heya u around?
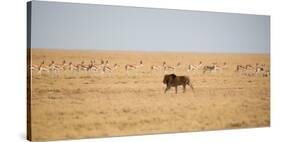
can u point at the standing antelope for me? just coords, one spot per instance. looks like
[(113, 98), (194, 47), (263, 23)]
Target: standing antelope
[(220, 68), (155, 68), (107, 68), (34, 67), (259, 67), (43, 68), (92, 66), (100, 66), (73, 67), (64, 65), (130, 67), (240, 68), (194, 67), (250, 70), (224, 66), (262, 69), (210, 68), (83, 67), (170, 68), (249, 67), (54, 67)]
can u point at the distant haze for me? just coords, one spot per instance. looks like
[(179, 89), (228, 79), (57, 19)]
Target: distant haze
[(100, 27)]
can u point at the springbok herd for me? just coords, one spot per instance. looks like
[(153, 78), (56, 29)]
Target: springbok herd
[(105, 67)]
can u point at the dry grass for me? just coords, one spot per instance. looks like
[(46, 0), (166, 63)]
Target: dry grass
[(83, 105)]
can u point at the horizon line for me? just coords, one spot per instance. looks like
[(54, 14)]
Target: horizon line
[(120, 50)]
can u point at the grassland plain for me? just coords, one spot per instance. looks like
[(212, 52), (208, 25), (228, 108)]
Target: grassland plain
[(89, 104)]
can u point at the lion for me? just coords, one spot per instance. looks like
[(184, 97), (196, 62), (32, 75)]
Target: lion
[(171, 80)]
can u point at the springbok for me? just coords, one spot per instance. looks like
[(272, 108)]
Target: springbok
[(250, 70), (130, 67), (220, 68), (250, 67), (83, 67), (73, 67), (43, 68), (224, 66), (262, 69), (155, 68), (100, 67), (54, 67), (170, 68), (34, 67), (107, 68), (64, 65), (240, 68), (259, 68), (210, 68), (92, 66), (194, 67)]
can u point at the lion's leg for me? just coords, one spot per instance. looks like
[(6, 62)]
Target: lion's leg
[(184, 85), (176, 89), (167, 88)]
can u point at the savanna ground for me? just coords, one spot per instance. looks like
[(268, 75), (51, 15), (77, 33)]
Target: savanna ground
[(80, 105)]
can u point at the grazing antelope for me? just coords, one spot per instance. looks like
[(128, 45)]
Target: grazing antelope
[(170, 68), (130, 67)]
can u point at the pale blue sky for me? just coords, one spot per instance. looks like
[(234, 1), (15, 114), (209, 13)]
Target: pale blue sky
[(100, 27)]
